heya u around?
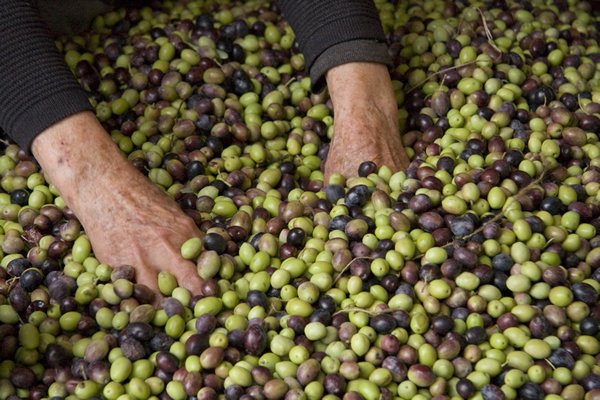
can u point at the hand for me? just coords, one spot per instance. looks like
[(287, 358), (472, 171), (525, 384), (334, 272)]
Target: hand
[(366, 124), (127, 218)]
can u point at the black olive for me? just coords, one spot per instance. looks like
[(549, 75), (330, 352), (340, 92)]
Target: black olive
[(357, 195), (383, 323), (531, 391), (31, 279), (216, 242), (475, 335), (257, 298), (296, 237)]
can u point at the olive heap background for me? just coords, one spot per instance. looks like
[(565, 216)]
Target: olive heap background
[(474, 274)]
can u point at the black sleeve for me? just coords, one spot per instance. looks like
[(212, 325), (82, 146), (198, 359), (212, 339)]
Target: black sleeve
[(334, 32), (36, 87)]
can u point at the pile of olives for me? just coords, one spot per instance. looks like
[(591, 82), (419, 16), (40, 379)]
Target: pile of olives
[(474, 274)]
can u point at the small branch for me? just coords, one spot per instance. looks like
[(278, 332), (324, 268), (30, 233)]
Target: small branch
[(339, 275)]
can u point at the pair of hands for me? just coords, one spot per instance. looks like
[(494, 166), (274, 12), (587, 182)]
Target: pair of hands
[(131, 221)]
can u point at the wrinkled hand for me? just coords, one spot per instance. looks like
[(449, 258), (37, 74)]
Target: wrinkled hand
[(366, 125), (127, 218)]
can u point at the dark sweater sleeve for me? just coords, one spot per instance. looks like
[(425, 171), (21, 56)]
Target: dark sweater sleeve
[(335, 32), (36, 87)]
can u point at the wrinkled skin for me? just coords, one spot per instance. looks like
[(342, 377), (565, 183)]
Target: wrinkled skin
[(130, 221), (366, 124), (126, 217)]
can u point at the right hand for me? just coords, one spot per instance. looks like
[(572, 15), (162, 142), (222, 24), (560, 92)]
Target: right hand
[(127, 218), (366, 120)]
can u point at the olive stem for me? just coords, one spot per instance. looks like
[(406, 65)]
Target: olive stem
[(441, 71), (487, 31), (498, 216), (339, 275)]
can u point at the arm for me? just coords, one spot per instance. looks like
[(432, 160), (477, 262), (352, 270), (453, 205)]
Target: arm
[(128, 220), (344, 46), (332, 33)]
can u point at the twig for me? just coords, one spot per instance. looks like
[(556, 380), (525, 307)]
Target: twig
[(339, 275), (497, 217), (372, 313), (488, 33), (441, 71)]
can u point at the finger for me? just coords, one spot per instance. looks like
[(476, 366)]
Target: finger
[(147, 276), (187, 276)]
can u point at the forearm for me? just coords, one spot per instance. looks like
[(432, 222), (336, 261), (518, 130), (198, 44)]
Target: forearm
[(37, 88), (80, 159), (332, 33)]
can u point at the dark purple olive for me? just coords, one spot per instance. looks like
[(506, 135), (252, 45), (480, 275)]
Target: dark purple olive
[(591, 382), (420, 203), (19, 299), (366, 168), (475, 335), (133, 349), (308, 371), (22, 377), (589, 326), (61, 287), (234, 392), (462, 226), (172, 306), (585, 293), (540, 327), (465, 388), (141, 331), (255, 340), (206, 323), (196, 344), (17, 266), (492, 392), (56, 355), (296, 237), (257, 298), (421, 375), (442, 324), (357, 195), (334, 384), (167, 362), (214, 241), (430, 221), (383, 323), (98, 371), (531, 391), (561, 358)]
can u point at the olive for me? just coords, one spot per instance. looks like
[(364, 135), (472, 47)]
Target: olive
[(383, 323), (492, 392), (366, 168), (255, 340), (161, 342), (591, 382), (561, 358), (22, 377), (465, 388), (167, 362), (31, 278), (133, 349), (17, 266), (334, 384), (585, 293), (214, 241), (357, 195), (531, 391)]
